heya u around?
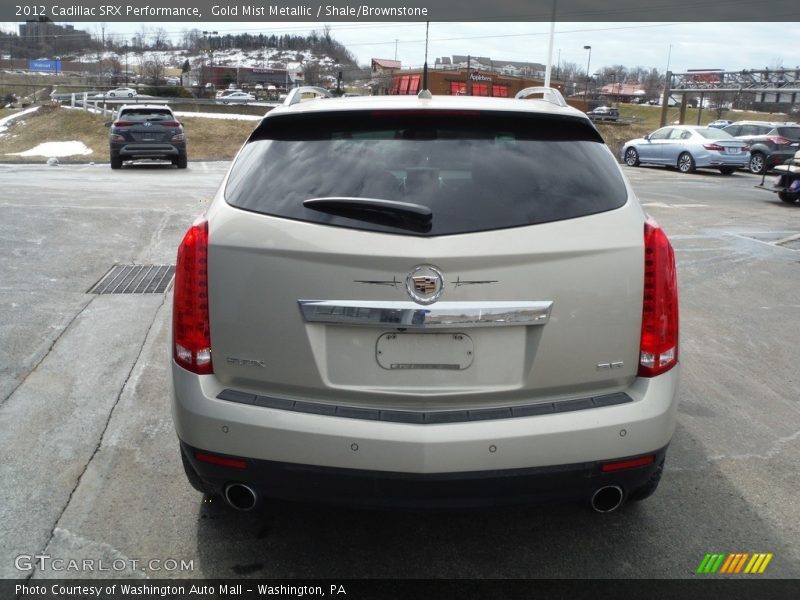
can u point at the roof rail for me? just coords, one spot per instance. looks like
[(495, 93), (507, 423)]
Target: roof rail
[(295, 95), (549, 94)]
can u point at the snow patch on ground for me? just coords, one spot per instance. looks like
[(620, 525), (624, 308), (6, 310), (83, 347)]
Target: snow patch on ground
[(55, 149), (5, 120)]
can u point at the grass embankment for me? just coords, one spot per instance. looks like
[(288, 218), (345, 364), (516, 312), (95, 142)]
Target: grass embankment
[(209, 139)]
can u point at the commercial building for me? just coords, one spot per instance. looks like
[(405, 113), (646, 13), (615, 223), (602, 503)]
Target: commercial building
[(460, 82)]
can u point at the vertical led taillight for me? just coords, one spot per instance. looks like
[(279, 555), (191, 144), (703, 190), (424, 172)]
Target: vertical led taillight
[(191, 335)]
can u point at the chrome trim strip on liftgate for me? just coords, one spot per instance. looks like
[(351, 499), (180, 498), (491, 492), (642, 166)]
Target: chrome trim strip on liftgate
[(442, 315)]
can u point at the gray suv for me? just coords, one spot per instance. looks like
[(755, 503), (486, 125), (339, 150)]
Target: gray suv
[(425, 301), (147, 131)]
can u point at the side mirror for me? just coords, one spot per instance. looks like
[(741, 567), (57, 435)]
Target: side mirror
[(647, 136), (109, 124)]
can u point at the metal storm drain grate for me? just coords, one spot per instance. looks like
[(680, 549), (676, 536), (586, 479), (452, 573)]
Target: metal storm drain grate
[(135, 279)]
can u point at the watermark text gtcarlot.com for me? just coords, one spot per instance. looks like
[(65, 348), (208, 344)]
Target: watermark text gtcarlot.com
[(47, 562)]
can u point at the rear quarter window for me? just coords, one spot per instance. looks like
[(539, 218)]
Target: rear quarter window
[(474, 171)]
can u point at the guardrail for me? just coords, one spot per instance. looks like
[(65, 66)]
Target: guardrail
[(107, 104)]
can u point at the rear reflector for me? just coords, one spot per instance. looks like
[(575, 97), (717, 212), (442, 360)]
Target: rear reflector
[(621, 465), (658, 347), (222, 461), (191, 334)]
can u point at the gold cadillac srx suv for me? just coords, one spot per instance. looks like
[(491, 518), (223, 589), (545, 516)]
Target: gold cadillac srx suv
[(425, 301)]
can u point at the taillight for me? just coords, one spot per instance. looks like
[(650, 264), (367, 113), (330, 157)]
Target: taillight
[(123, 123), (170, 124), (658, 347), (116, 138), (780, 141), (716, 147), (179, 137), (191, 333)]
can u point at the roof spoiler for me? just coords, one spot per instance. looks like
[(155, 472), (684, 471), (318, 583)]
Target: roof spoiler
[(548, 94)]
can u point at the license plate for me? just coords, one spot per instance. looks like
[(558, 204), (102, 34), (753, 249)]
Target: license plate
[(429, 351), (733, 150)]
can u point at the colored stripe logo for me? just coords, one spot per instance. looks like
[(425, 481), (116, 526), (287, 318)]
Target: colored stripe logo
[(736, 563)]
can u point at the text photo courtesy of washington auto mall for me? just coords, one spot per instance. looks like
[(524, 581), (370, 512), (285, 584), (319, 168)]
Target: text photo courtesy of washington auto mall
[(399, 299)]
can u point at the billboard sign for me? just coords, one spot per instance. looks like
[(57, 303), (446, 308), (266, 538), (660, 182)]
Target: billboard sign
[(51, 66)]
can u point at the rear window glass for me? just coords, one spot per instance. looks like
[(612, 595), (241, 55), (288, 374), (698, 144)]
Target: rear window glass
[(147, 114), (473, 171), (789, 132)]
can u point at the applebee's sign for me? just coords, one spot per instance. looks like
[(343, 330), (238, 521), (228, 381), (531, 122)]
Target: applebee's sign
[(479, 77)]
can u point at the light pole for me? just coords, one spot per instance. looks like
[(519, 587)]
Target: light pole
[(588, 62), (206, 35)]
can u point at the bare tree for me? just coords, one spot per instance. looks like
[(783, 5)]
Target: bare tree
[(153, 69)]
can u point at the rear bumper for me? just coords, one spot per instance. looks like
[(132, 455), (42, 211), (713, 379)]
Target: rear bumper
[(352, 487), (148, 150), (559, 452)]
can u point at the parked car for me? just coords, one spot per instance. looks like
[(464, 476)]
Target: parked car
[(603, 113), (425, 301), (688, 147), (118, 93), (144, 131), (236, 98), (720, 123), (771, 144)]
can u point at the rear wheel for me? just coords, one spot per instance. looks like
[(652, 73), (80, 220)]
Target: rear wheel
[(181, 161), (727, 170), (686, 163), (631, 157), (788, 197), (757, 163), (116, 162)]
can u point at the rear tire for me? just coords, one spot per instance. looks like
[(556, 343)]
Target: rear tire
[(116, 162), (788, 197), (632, 157), (181, 161), (727, 170), (686, 163), (757, 164)]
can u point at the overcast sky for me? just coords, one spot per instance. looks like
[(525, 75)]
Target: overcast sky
[(681, 46)]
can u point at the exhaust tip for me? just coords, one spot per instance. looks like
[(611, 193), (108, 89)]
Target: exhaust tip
[(240, 496), (607, 499)]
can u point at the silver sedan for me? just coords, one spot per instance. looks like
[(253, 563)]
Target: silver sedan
[(688, 147)]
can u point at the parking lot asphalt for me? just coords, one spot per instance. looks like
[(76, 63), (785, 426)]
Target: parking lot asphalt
[(89, 460)]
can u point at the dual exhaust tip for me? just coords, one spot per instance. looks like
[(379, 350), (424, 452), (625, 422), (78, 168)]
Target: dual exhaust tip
[(607, 499), (242, 497)]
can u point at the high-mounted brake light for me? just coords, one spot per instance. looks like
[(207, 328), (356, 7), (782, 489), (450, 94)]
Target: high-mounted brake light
[(658, 347), (191, 333)]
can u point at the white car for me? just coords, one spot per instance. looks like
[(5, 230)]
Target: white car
[(118, 93), (236, 98), (432, 300)]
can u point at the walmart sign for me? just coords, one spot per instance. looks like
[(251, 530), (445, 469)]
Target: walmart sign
[(53, 66)]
